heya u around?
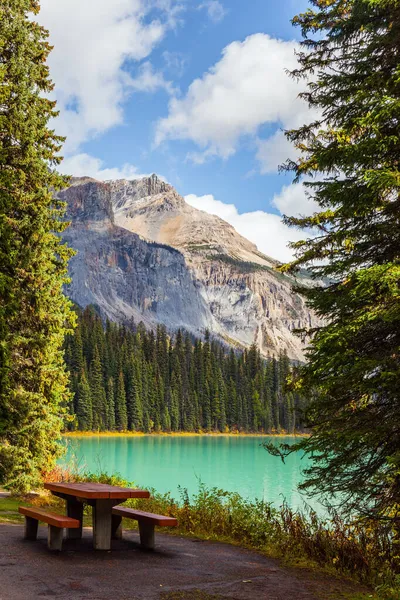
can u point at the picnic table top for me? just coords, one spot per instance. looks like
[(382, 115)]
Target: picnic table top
[(95, 491)]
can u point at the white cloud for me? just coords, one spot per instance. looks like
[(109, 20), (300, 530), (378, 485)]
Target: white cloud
[(149, 80), (175, 62), (81, 165), (274, 151), (266, 230), (93, 42), (292, 200), (215, 10), (247, 88)]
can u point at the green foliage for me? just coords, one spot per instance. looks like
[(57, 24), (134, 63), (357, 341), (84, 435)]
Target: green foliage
[(139, 381), (349, 157), (216, 515), (84, 407), (34, 314)]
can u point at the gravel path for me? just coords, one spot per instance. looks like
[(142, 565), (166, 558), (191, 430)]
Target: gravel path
[(180, 568)]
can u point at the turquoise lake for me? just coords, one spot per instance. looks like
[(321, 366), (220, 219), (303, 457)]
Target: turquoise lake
[(237, 464)]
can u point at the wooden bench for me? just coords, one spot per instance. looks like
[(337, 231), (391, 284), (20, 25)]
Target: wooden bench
[(147, 522), (57, 523)]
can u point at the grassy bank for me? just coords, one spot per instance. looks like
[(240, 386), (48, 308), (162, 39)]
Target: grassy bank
[(363, 550)]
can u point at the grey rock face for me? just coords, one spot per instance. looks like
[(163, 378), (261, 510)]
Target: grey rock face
[(125, 276), (144, 253)]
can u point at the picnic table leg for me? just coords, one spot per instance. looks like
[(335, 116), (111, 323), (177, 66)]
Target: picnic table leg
[(75, 511), (146, 532), (116, 527), (31, 528), (102, 524), (54, 538)]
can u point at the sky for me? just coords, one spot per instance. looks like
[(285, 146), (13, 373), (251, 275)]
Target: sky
[(195, 91)]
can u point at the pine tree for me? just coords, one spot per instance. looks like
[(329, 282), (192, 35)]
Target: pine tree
[(121, 417), (84, 409), (166, 419), (135, 419), (350, 155), (77, 360), (98, 393), (110, 404), (34, 314), (174, 412)]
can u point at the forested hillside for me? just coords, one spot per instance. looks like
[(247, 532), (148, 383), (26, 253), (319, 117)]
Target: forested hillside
[(129, 378)]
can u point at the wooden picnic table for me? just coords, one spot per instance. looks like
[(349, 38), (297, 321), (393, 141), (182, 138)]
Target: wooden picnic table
[(102, 497)]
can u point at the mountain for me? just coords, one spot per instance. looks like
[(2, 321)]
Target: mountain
[(144, 253)]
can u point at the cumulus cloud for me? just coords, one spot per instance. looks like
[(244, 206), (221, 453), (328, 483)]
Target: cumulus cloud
[(215, 10), (274, 151), (266, 230), (149, 80), (249, 87), (81, 165), (293, 200), (93, 42)]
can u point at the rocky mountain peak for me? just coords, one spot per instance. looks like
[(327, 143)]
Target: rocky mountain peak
[(88, 200), (143, 252), (127, 192), (165, 217)]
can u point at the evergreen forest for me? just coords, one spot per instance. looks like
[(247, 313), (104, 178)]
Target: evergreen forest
[(128, 378)]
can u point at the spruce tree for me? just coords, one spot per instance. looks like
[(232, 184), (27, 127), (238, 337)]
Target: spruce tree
[(121, 417), (166, 419), (110, 404), (34, 314), (98, 393), (174, 412), (135, 417), (350, 58), (84, 409)]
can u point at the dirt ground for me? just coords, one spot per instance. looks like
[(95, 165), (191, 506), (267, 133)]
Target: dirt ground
[(179, 569)]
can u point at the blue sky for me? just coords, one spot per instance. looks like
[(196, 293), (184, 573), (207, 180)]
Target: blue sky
[(194, 91)]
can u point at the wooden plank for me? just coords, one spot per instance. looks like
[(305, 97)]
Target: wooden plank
[(78, 490), (140, 515), (50, 518), (117, 492), (139, 494), (96, 491)]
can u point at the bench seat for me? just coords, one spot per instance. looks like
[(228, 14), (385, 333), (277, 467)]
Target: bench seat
[(147, 522), (56, 524)]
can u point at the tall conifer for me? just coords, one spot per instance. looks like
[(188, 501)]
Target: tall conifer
[(98, 392), (350, 60), (121, 417), (84, 408), (34, 313)]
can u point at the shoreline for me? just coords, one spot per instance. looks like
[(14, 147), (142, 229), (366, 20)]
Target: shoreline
[(88, 434)]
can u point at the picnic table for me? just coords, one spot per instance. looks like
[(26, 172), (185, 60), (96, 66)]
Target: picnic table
[(102, 497)]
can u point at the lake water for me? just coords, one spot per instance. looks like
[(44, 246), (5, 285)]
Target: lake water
[(237, 464)]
